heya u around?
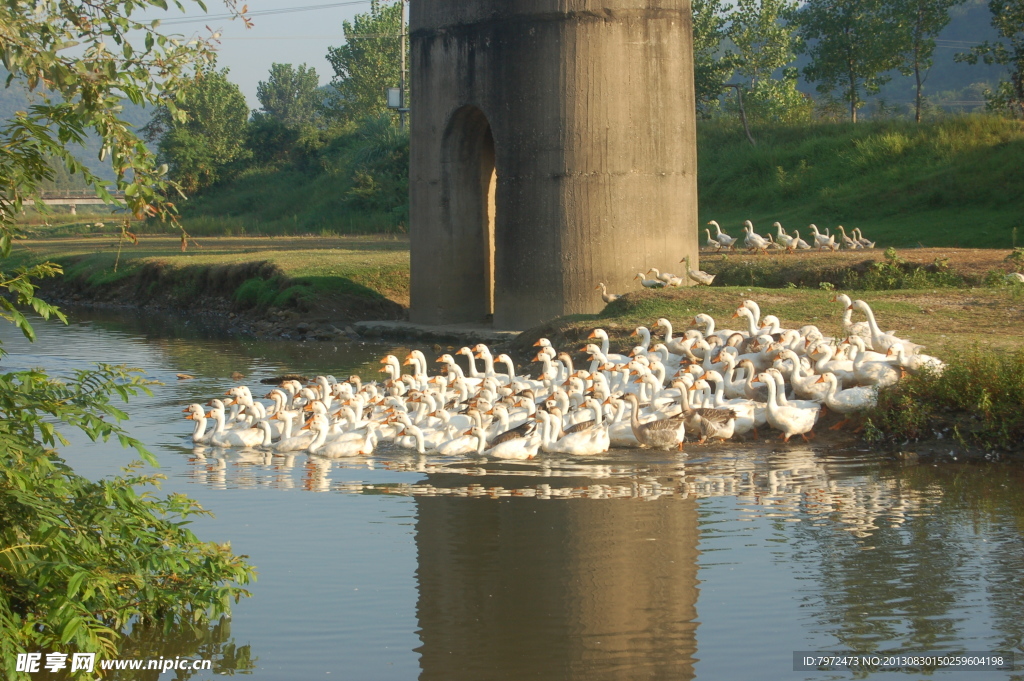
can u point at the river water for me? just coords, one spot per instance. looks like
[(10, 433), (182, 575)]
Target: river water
[(719, 563)]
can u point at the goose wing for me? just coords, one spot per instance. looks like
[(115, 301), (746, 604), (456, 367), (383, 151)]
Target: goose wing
[(525, 430)]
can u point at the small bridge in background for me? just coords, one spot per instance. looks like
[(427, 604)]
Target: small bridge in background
[(75, 198)]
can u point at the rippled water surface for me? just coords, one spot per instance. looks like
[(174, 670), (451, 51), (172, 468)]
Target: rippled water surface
[(714, 564)]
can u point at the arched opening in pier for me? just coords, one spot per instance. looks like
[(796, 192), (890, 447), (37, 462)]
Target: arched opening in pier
[(469, 184)]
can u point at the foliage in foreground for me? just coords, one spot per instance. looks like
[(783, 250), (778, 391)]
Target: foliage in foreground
[(976, 402), (81, 561)]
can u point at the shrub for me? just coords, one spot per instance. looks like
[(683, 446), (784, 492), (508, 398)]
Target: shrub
[(977, 399)]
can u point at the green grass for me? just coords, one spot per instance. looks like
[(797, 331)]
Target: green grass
[(284, 202), (255, 272), (955, 182)]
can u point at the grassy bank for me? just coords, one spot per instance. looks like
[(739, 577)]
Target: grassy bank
[(253, 273), (955, 182)]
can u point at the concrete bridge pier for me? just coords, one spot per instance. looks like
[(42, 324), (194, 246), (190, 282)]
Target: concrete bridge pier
[(553, 147)]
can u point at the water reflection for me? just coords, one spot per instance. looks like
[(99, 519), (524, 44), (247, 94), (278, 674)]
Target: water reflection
[(633, 564), (794, 485), (580, 589), (214, 643)]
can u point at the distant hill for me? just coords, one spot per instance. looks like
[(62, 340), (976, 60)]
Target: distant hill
[(18, 98), (952, 85), (948, 80)]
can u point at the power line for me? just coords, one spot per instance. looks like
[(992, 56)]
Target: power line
[(362, 36), (261, 13)]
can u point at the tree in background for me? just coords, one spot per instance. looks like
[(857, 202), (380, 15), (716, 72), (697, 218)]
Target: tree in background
[(290, 95), (200, 148), (765, 44), (1008, 20), (922, 20), (852, 44), (368, 63), (711, 68)]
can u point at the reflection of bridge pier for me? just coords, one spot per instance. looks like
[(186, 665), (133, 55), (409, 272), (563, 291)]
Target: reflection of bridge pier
[(556, 589)]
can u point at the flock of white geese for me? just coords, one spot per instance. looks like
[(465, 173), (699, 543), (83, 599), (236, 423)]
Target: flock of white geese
[(708, 384), (754, 243), (782, 240)]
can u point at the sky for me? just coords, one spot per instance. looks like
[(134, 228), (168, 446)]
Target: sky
[(288, 32)]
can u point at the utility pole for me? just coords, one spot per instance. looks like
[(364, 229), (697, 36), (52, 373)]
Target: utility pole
[(401, 82)]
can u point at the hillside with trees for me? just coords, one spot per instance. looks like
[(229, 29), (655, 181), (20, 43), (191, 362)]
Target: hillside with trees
[(329, 158)]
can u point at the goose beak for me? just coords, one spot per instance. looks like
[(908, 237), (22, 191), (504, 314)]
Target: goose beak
[(190, 418), (821, 379), (208, 414), (186, 410), (735, 314), (850, 308), (227, 392), (833, 299), (889, 352), (593, 334)]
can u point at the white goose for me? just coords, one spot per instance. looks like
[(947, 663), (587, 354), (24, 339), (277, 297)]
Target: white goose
[(648, 283), (916, 363), (712, 244), (338, 448), (849, 401), (822, 241), (860, 239), (585, 442), (790, 420), (196, 413), (721, 237), (798, 243), (754, 241), (881, 342), (702, 278), (290, 441), (605, 296), (786, 241), (848, 243), (247, 437)]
